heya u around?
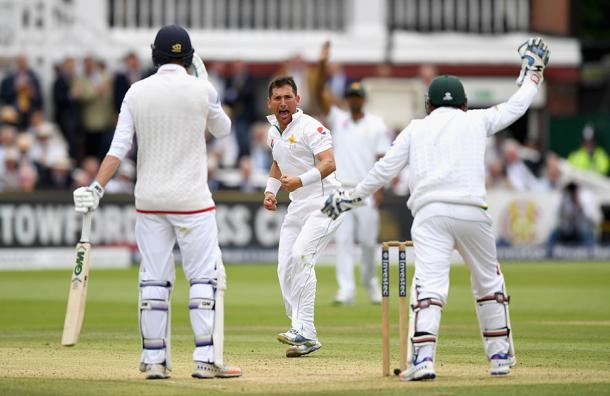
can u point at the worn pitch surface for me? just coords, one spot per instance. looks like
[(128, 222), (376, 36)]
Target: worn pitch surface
[(560, 313)]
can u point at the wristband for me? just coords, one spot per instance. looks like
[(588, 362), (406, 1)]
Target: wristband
[(97, 188), (311, 176), (273, 185)]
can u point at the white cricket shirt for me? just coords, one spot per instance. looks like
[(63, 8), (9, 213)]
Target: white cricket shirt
[(295, 149), (169, 112), (357, 144), (445, 153)]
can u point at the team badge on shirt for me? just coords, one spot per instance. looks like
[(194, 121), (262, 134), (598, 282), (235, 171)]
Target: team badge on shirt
[(321, 131), (292, 139)]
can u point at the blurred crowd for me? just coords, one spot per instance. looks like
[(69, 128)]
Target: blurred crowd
[(57, 140)]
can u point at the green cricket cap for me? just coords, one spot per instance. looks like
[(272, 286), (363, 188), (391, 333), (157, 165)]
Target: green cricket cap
[(355, 89), (446, 91)]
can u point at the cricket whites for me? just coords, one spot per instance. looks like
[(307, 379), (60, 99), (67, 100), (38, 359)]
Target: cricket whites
[(77, 298)]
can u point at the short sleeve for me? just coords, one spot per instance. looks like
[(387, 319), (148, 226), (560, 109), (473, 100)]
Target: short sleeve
[(270, 137), (318, 138)]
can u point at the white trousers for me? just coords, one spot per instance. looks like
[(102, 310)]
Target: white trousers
[(304, 233), (362, 225), (434, 239), (197, 237)]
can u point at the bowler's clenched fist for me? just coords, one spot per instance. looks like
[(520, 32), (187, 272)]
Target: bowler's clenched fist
[(291, 183), (270, 203)]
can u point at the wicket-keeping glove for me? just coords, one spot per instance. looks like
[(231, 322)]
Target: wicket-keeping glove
[(87, 199), (197, 68), (340, 201), (534, 58)]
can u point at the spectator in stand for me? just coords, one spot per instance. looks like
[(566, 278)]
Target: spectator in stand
[(24, 143), (9, 178), (519, 176), (260, 154), (93, 90), (85, 175), (303, 76), (47, 148), (21, 89), (60, 176), (8, 135), (240, 96), (216, 71), (9, 116), (124, 180), (496, 176), (66, 108), (590, 156), (336, 79), (131, 73), (27, 178), (551, 177), (578, 215)]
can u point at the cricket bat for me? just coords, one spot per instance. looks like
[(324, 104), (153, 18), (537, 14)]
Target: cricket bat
[(77, 298)]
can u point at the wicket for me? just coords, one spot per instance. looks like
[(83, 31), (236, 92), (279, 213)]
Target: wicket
[(402, 301)]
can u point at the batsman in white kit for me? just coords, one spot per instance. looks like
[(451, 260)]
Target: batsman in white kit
[(170, 112), (445, 155), (304, 165), (360, 138)]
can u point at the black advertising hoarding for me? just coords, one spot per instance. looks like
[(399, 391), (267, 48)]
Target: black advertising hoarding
[(247, 232)]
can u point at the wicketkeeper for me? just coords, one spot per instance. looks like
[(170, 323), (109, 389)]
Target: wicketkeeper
[(169, 112), (445, 155)]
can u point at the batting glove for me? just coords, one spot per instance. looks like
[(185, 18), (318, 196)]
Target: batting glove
[(534, 58), (340, 201), (87, 199), (198, 68)]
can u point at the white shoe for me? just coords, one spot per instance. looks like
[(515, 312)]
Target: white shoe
[(302, 350), (375, 292), (501, 363), (205, 370), (293, 337), (154, 370), (342, 298), (419, 372)]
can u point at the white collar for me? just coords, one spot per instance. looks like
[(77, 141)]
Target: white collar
[(171, 67), (444, 109), (273, 120)]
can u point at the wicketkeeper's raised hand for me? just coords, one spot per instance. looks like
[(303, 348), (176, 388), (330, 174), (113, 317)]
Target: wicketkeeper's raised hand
[(87, 199), (340, 201), (534, 58)]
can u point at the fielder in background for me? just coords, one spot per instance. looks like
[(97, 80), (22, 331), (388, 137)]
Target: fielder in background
[(360, 139), (304, 165), (169, 112), (445, 154)]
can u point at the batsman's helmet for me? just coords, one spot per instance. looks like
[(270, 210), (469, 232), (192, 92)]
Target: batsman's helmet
[(172, 43), (446, 91)]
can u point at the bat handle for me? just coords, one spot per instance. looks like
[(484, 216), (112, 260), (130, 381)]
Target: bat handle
[(86, 230)]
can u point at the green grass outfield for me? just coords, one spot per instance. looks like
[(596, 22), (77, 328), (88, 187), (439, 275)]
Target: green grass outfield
[(560, 314)]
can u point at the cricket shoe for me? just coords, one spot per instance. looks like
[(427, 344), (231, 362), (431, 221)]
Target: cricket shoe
[(154, 370), (374, 293), (501, 364), (293, 337), (302, 350), (205, 370), (421, 371)]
